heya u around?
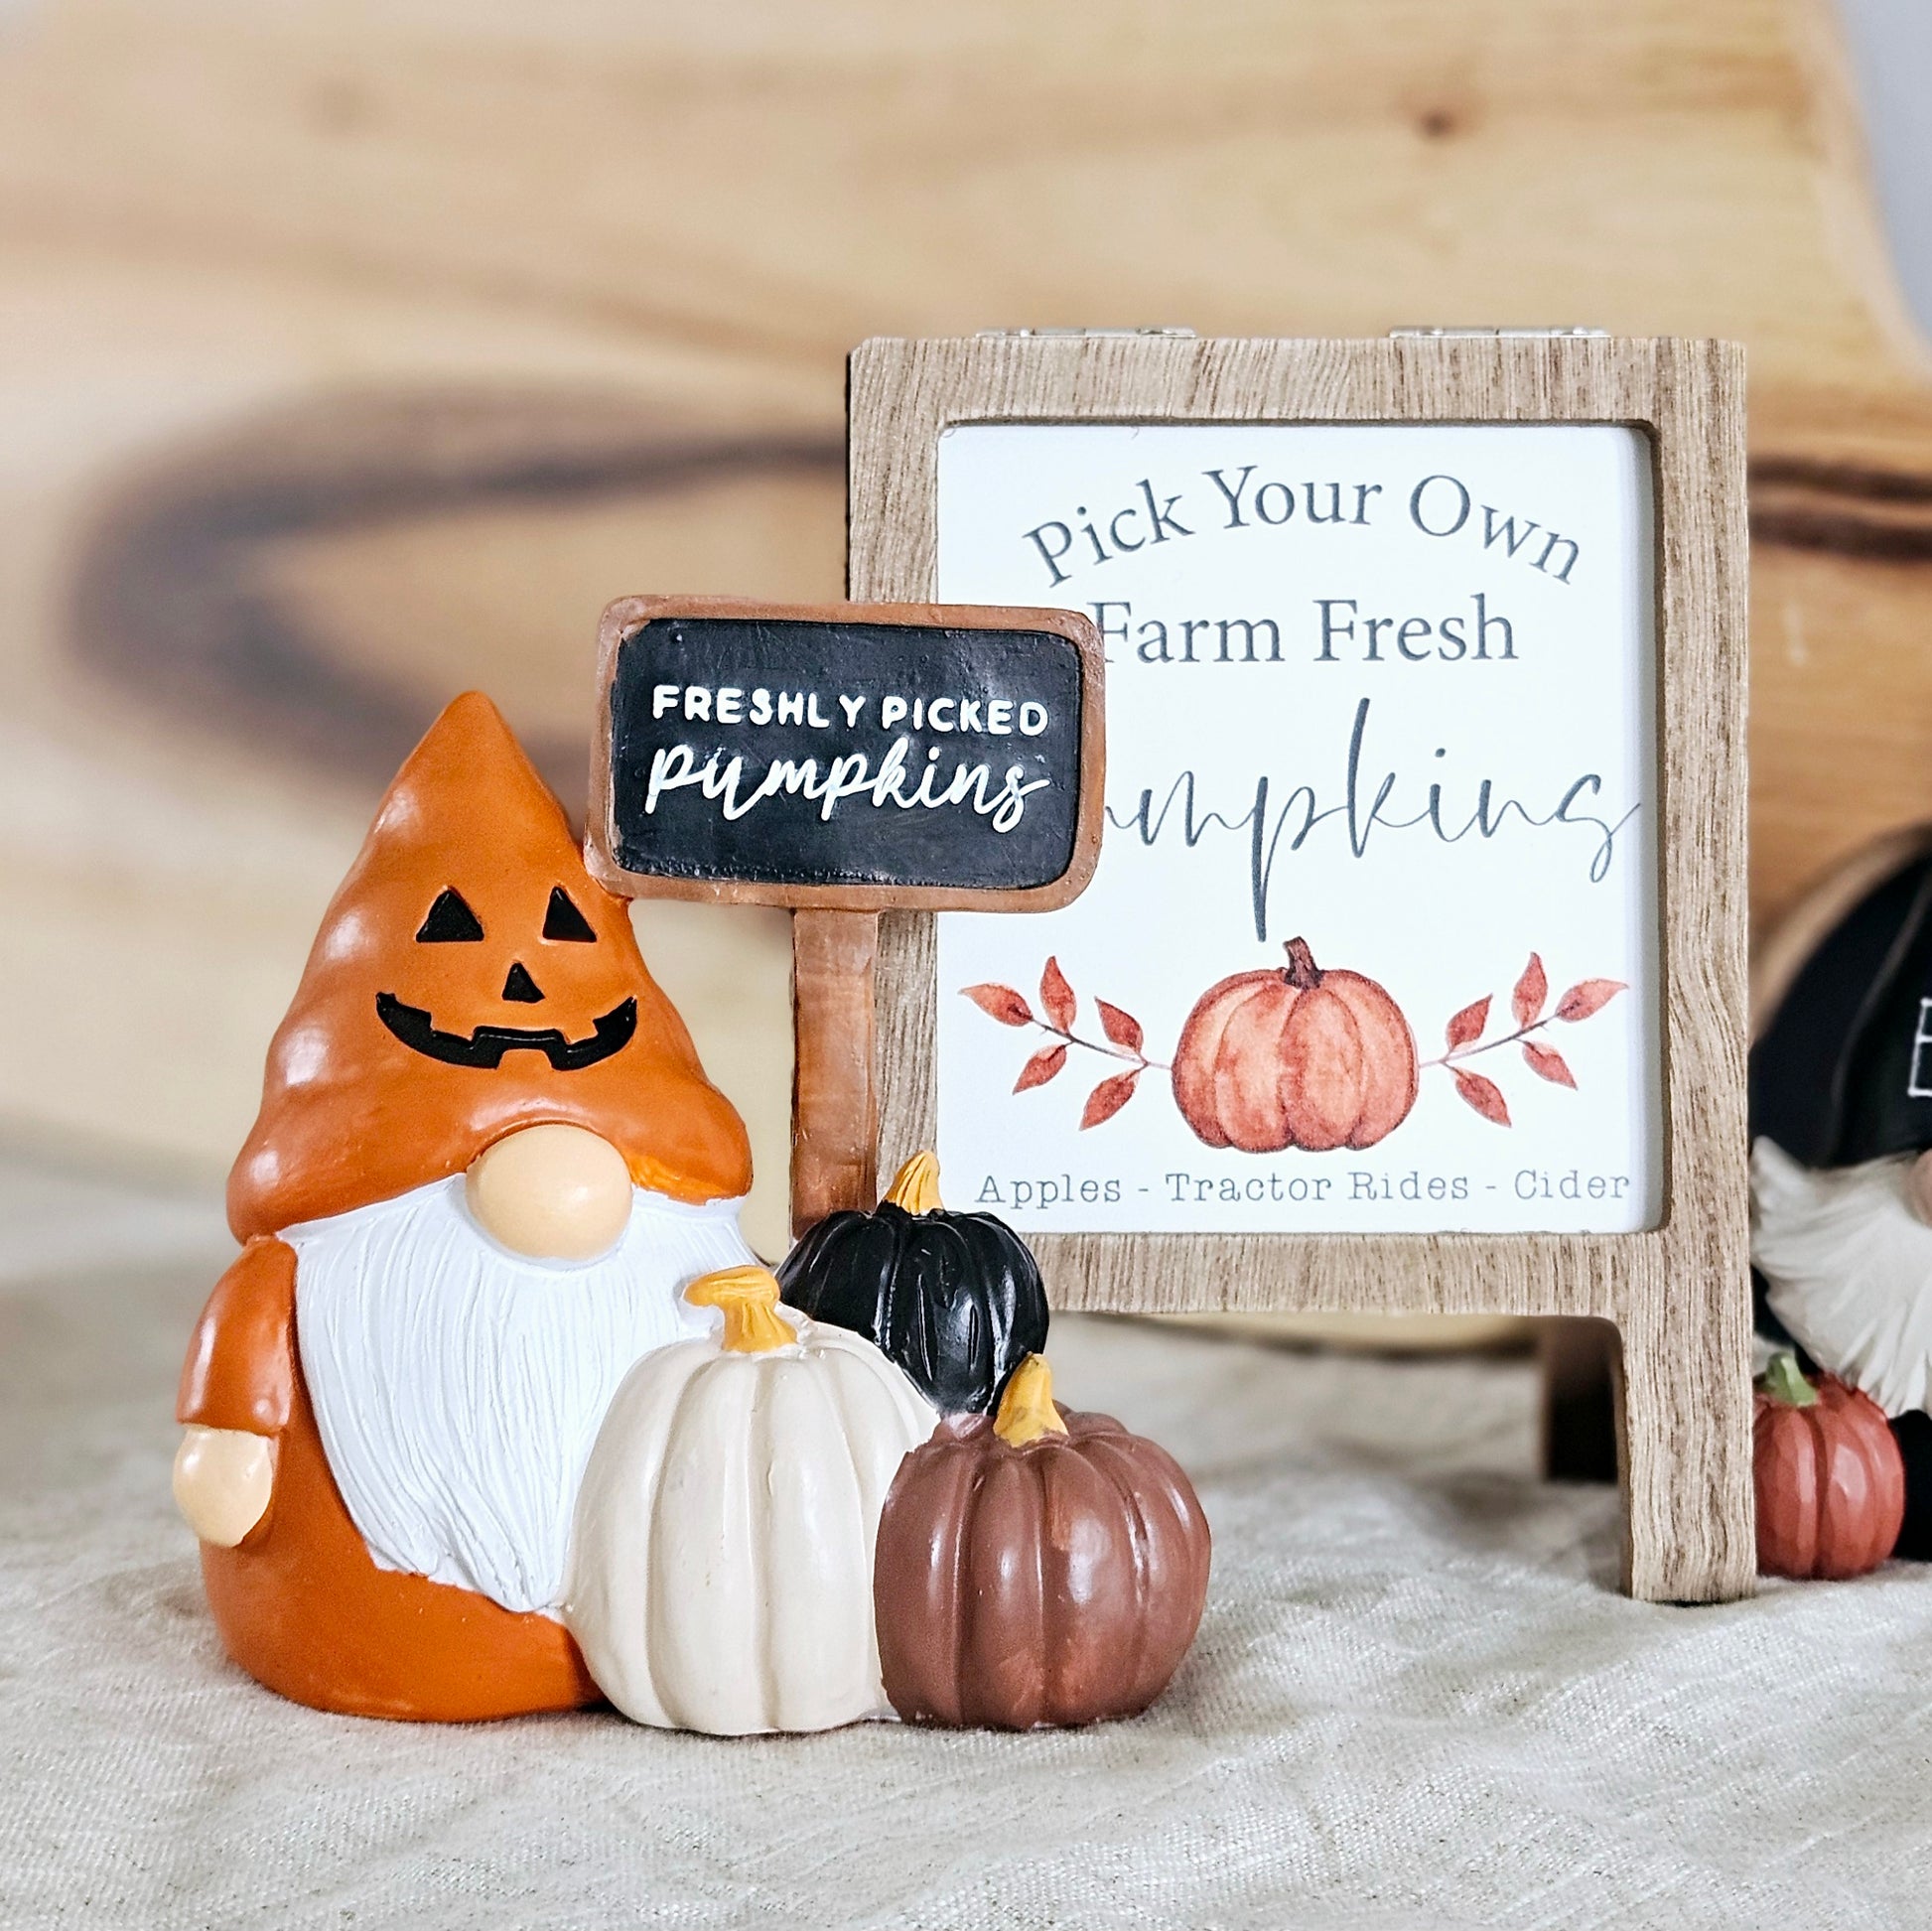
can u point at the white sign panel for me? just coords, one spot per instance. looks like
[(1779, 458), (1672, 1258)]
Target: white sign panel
[(1372, 946)]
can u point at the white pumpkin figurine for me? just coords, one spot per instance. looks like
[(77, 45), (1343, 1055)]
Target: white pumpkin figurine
[(721, 1568)]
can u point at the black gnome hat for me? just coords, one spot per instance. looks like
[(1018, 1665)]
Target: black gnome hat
[(1844, 1071)]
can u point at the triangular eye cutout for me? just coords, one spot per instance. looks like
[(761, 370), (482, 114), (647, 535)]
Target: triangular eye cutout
[(564, 921), (450, 922)]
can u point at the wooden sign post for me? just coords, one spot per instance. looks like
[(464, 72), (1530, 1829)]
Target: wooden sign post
[(843, 760), (1412, 978)]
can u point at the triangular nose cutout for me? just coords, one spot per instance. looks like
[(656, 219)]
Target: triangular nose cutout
[(520, 987)]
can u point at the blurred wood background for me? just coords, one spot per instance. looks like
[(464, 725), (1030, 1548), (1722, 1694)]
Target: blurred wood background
[(352, 355)]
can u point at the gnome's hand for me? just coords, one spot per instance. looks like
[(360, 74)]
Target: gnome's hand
[(554, 1192), (222, 1479)]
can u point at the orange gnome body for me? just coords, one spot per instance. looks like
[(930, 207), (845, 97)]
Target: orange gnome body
[(487, 1164)]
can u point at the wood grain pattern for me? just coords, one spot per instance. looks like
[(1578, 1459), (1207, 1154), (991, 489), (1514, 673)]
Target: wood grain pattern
[(345, 365), (1679, 1295)]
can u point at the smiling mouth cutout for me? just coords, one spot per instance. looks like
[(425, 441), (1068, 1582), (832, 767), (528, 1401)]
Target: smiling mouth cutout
[(486, 1045)]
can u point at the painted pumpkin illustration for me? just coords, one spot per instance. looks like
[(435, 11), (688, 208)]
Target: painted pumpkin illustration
[(1830, 1481), (1043, 1567), (721, 1571), (486, 1165), (954, 1299), (1296, 1057)]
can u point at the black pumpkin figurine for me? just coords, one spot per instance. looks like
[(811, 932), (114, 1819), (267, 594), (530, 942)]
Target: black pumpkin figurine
[(954, 1299)]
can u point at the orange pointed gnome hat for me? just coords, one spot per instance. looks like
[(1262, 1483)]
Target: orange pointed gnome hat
[(469, 978)]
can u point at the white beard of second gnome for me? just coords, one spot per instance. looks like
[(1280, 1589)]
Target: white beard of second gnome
[(1848, 1267), (457, 1387)]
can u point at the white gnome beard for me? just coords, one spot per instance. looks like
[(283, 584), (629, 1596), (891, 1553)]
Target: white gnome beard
[(457, 1387), (1849, 1270)]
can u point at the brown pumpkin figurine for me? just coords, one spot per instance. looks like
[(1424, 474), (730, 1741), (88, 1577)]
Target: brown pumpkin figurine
[(1042, 1566), (1831, 1482), (1295, 1057)]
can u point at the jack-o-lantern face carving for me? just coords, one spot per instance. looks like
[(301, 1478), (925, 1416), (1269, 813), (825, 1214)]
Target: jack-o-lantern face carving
[(469, 978), (451, 922)]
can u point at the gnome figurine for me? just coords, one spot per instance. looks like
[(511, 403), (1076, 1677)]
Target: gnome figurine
[(1841, 1100), (486, 1165)]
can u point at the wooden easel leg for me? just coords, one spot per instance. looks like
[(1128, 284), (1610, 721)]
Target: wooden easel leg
[(834, 1108), (1684, 1449)]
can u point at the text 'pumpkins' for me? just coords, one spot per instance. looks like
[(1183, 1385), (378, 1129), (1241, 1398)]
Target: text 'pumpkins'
[(954, 1299), (1043, 1568), (721, 1569), (1295, 1057)]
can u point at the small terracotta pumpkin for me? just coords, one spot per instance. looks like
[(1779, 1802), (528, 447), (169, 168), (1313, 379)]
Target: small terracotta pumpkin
[(1040, 1568), (1296, 1057), (954, 1299), (1831, 1482)]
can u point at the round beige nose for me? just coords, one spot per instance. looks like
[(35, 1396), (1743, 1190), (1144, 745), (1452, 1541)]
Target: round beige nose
[(1918, 1188), (553, 1192)]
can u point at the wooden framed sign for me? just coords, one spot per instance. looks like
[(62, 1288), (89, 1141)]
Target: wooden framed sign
[(1412, 976), (837, 759)]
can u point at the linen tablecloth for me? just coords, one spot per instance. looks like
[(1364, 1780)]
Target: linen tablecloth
[(1416, 1700)]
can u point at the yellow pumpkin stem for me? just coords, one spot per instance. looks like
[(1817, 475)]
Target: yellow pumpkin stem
[(749, 1299), (915, 1187), (1026, 1410)]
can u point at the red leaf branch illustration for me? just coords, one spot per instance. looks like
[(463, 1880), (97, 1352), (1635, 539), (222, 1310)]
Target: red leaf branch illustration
[(1528, 1004), (1484, 1095), (1040, 1069), (1058, 997), (1122, 1039), (1107, 1099)]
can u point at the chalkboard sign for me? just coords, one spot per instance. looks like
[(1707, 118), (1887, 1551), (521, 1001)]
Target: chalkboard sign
[(847, 756)]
